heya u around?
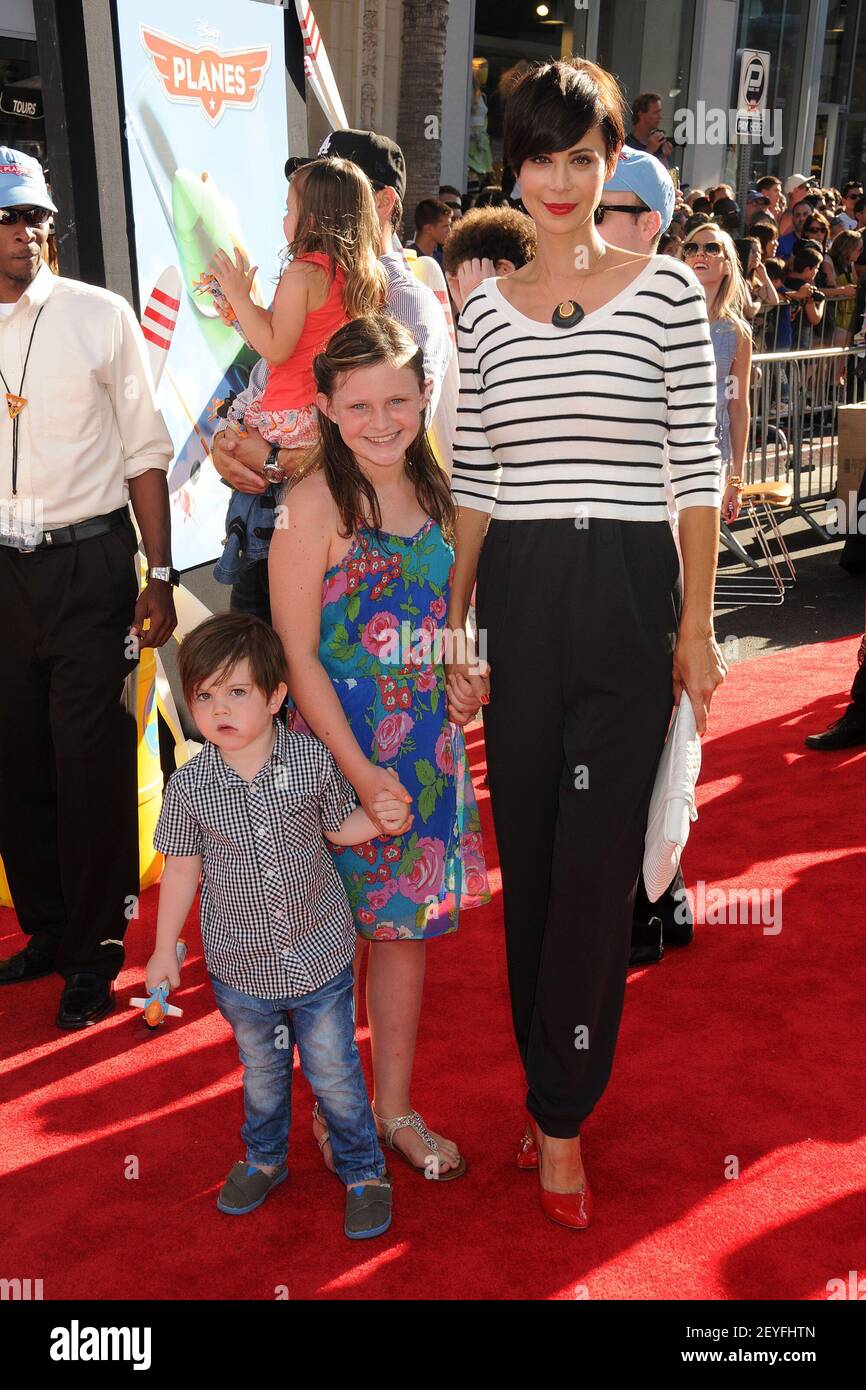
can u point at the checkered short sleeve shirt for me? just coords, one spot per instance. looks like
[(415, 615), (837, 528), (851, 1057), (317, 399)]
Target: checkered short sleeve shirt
[(275, 920)]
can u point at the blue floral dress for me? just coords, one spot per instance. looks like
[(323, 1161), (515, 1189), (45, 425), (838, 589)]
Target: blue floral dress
[(382, 608)]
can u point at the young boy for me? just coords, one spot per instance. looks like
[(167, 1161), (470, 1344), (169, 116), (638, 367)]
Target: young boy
[(806, 300), (249, 815)]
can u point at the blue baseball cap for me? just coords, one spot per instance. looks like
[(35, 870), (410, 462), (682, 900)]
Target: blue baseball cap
[(642, 174), (22, 182)]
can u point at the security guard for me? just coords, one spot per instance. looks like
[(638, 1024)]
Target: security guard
[(80, 436)]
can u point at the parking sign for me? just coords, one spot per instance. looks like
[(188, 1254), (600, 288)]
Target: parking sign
[(753, 94)]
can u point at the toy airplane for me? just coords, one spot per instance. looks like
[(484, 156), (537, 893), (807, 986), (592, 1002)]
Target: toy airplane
[(156, 1007)]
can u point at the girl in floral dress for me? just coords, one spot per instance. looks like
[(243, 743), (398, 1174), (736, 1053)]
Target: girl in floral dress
[(359, 578)]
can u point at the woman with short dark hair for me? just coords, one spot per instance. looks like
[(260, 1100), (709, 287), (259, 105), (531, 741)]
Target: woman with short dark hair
[(580, 372)]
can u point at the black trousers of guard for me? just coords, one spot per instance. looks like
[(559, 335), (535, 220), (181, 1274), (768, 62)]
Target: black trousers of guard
[(68, 748), (580, 624)]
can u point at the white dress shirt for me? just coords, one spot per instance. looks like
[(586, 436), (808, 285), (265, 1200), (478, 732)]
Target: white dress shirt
[(91, 420)]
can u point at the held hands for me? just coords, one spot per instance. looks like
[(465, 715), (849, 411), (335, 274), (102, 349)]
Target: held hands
[(162, 966), (698, 668), (235, 277), (467, 686), (467, 677), (386, 801)]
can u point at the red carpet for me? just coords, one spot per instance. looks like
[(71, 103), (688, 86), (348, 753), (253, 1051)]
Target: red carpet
[(746, 1044)]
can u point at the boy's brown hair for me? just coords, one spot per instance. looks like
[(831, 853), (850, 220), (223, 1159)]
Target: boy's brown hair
[(502, 234), (211, 650)]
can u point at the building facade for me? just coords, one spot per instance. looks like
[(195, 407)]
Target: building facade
[(429, 73)]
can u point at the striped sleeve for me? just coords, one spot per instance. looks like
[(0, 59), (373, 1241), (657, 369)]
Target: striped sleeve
[(476, 474), (690, 387)]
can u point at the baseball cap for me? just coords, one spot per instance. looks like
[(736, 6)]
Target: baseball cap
[(646, 177), (22, 182), (380, 158), (725, 207), (755, 195), (797, 181)]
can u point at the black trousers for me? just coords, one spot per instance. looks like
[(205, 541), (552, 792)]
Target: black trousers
[(68, 748), (580, 624), (857, 708)]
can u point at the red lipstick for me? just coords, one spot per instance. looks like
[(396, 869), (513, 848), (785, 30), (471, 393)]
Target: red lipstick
[(560, 209)]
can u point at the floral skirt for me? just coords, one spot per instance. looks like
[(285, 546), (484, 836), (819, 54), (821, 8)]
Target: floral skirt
[(290, 429)]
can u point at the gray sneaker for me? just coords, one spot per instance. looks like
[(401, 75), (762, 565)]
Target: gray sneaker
[(246, 1188), (368, 1210)]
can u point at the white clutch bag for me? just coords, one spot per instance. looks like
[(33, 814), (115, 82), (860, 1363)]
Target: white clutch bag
[(672, 805)]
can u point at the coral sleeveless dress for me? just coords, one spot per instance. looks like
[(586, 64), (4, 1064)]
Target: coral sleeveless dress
[(285, 413)]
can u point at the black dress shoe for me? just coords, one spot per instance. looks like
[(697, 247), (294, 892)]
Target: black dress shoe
[(85, 1000), (843, 734), (36, 960)]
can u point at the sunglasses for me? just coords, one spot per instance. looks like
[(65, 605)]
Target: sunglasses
[(31, 217), (709, 248), (618, 207)]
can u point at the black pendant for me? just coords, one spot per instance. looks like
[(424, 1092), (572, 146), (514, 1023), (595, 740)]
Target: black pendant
[(567, 314)]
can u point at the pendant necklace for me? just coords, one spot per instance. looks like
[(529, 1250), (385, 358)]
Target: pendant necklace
[(15, 403), (568, 314)]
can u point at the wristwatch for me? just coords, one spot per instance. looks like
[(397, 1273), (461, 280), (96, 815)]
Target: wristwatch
[(165, 573), (271, 468)]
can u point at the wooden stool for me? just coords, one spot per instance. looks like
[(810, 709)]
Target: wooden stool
[(761, 502)]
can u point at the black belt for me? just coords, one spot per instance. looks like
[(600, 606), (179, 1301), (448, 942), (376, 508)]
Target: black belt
[(83, 530)]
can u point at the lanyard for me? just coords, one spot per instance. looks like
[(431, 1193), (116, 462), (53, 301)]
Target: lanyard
[(16, 403)]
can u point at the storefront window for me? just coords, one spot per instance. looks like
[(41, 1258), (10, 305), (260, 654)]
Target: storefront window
[(838, 45), (509, 34), (22, 123), (779, 27), (852, 161), (648, 44)]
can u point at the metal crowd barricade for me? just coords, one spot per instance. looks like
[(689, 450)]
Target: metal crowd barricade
[(793, 434)]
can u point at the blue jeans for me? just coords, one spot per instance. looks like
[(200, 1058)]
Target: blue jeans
[(322, 1024)]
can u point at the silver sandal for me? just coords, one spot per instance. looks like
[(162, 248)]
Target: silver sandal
[(318, 1118), (430, 1167)]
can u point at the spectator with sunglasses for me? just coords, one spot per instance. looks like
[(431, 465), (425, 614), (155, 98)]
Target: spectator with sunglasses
[(851, 191), (637, 203), (80, 438), (713, 257)]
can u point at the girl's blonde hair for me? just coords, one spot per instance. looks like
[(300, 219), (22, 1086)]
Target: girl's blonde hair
[(731, 297), (367, 342), (337, 215)]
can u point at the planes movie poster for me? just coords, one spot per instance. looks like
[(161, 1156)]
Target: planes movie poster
[(204, 89)]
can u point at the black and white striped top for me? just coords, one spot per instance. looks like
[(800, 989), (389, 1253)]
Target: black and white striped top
[(564, 423)]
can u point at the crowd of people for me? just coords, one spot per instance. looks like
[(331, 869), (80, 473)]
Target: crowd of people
[(552, 481), (801, 252)]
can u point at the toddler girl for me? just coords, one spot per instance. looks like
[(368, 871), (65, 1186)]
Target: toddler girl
[(334, 275)]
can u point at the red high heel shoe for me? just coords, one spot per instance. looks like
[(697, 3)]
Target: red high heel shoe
[(572, 1209), (527, 1153)]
